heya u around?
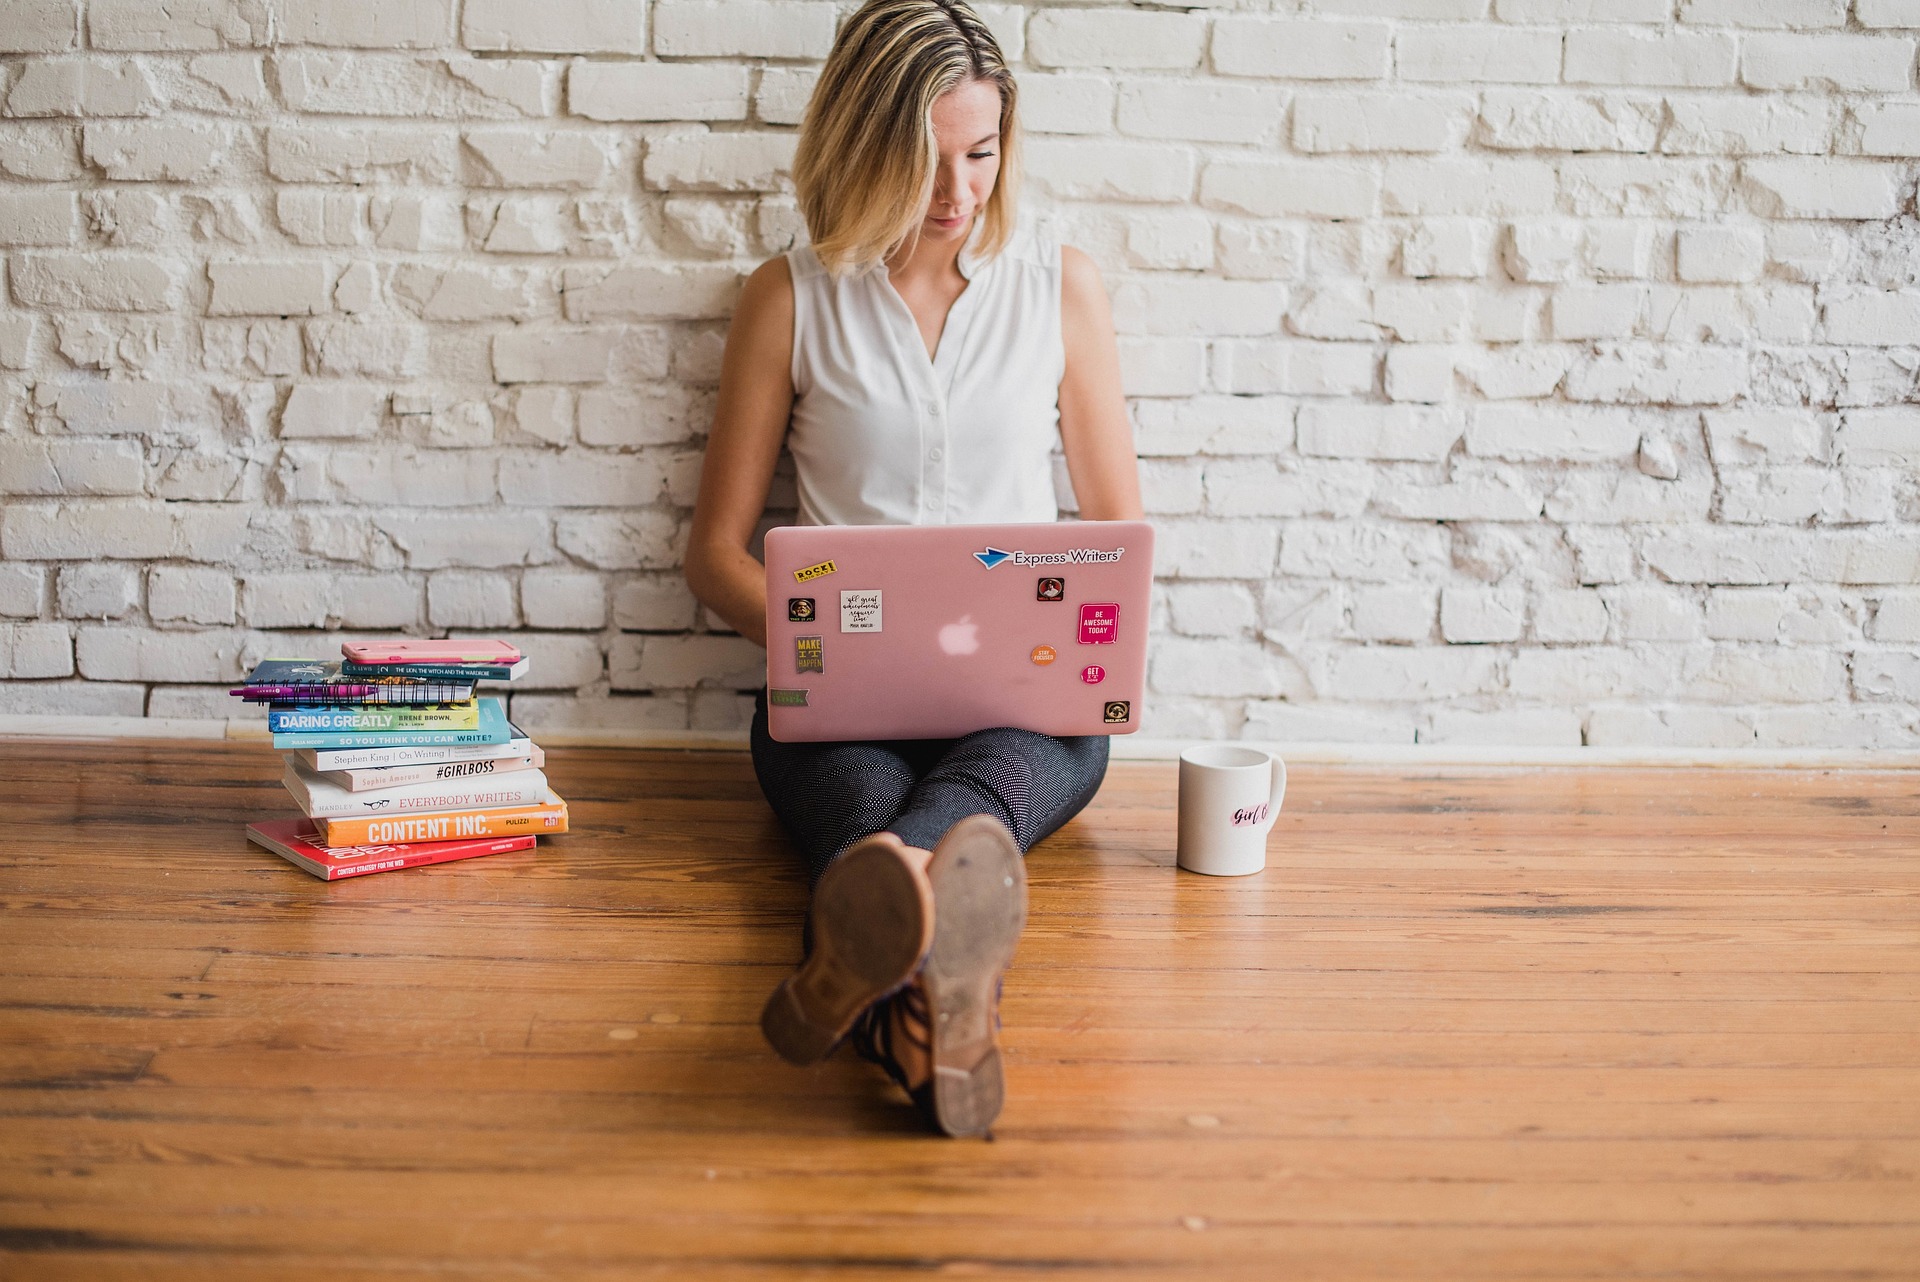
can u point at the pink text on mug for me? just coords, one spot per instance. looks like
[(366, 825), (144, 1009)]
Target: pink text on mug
[(1250, 816)]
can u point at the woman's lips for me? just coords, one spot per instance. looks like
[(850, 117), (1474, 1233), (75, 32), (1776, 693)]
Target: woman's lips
[(957, 220)]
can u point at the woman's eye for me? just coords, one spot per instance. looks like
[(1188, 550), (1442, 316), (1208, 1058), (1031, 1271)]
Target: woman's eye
[(979, 155)]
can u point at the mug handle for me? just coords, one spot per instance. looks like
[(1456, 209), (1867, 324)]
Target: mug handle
[(1279, 791)]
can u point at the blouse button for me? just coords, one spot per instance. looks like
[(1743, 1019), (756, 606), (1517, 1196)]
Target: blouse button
[(933, 502), (936, 454)]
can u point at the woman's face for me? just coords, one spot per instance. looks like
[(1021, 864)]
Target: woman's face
[(966, 127)]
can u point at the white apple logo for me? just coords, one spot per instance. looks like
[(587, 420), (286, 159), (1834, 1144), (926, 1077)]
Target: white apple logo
[(962, 637)]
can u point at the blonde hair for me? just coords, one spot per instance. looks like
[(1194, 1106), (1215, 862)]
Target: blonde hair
[(865, 167)]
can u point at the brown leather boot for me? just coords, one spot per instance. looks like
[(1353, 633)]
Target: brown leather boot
[(871, 924), (939, 1038)]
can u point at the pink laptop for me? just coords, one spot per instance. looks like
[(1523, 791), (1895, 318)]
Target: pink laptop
[(935, 631)]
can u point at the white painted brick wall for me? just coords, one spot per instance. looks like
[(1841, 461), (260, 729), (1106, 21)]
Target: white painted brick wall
[(1525, 372)]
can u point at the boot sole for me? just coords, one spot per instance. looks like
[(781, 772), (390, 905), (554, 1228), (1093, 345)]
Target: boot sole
[(980, 892), (872, 920)]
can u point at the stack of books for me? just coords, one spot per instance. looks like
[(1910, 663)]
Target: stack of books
[(396, 761)]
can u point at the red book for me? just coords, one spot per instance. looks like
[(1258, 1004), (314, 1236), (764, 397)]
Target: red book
[(298, 842)]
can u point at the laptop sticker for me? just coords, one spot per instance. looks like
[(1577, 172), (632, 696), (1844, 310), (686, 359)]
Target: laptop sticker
[(1043, 655), (1099, 624), (1051, 590), (1118, 712), (1093, 674), (808, 656), (787, 698), (799, 609), (860, 610), (814, 571)]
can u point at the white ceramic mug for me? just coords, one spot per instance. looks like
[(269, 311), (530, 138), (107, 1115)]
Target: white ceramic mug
[(1230, 795)]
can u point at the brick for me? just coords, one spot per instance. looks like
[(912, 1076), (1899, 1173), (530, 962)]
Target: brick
[(1589, 672), (1729, 254), (1076, 170), (1479, 54), (1887, 13), (1529, 727), (742, 28), (1535, 120), (679, 663), (1765, 13), (75, 698), (1300, 49), (1214, 549), (371, 24), (1888, 437), (1598, 311), (137, 25), (583, 478), (1479, 616), (1449, 248), (35, 651), (37, 218), (1391, 432), (1271, 487), (1380, 122), (292, 288), (720, 162), (564, 599), (1855, 728), (1209, 425), (130, 654), (1571, 616), (465, 599), (322, 217), (628, 418), (1668, 727), (1889, 128), (650, 91), (96, 282), (1450, 186), (1294, 367), (1117, 38), (105, 408), (1660, 376), (1880, 318), (1341, 723), (1161, 366), (1856, 63), (516, 157), (622, 541), (332, 410), (1403, 615), (40, 26), (1164, 304), (1290, 188), (1897, 618), (22, 588), (1205, 111), (60, 468), (488, 540), (1055, 104), (560, 26), (551, 356), (1529, 433), (648, 293), (90, 87), (1178, 240), (1624, 56), (1366, 553), (326, 154), (1611, 497), (190, 594), (1649, 613), (1381, 674), (99, 591), (1212, 609), (1467, 498), (1747, 126), (652, 603), (1796, 188)]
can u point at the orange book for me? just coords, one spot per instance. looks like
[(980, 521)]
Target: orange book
[(549, 817)]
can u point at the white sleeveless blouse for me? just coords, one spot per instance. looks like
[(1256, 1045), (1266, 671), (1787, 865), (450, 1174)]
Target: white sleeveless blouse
[(881, 435)]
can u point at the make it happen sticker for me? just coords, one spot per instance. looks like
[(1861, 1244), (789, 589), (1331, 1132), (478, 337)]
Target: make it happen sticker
[(860, 610)]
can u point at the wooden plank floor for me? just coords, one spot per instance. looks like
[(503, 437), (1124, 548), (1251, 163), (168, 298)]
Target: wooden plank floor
[(1470, 1024)]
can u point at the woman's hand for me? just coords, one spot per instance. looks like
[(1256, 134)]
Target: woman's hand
[(1093, 414), (749, 425)]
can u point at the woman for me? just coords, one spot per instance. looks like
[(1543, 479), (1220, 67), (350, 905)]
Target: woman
[(919, 359)]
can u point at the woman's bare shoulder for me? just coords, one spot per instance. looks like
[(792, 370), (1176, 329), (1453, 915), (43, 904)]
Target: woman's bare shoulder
[(769, 285)]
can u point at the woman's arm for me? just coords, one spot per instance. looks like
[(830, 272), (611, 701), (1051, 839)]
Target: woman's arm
[(749, 424), (1093, 414)]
